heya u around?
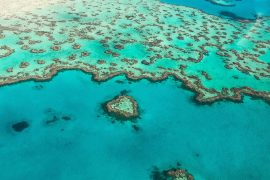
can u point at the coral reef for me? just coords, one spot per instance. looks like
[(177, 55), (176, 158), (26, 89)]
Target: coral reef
[(20, 126), (171, 174), (5, 51), (141, 39), (122, 107)]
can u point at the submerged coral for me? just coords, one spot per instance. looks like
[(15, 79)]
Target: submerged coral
[(171, 174), (122, 107), (20, 126), (141, 39)]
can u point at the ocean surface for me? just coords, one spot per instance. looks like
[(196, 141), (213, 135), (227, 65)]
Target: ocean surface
[(241, 9), (225, 140), (58, 130)]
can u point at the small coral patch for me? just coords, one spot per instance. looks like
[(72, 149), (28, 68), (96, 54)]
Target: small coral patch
[(122, 107)]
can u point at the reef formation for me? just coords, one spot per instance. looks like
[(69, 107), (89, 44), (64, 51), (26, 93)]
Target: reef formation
[(20, 126), (171, 174), (214, 57), (122, 107)]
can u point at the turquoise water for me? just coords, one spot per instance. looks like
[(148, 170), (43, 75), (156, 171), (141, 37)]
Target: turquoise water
[(67, 134), (222, 141), (242, 9)]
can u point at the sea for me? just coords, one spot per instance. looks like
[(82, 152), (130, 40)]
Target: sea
[(69, 136)]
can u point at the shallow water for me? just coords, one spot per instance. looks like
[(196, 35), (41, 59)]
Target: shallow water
[(57, 129), (222, 141), (217, 58)]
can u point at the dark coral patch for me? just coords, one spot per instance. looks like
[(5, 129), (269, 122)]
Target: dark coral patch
[(171, 174), (233, 16), (20, 126), (66, 118)]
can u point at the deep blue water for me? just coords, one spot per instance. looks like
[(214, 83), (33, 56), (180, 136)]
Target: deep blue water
[(222, 141), (243, 9)]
